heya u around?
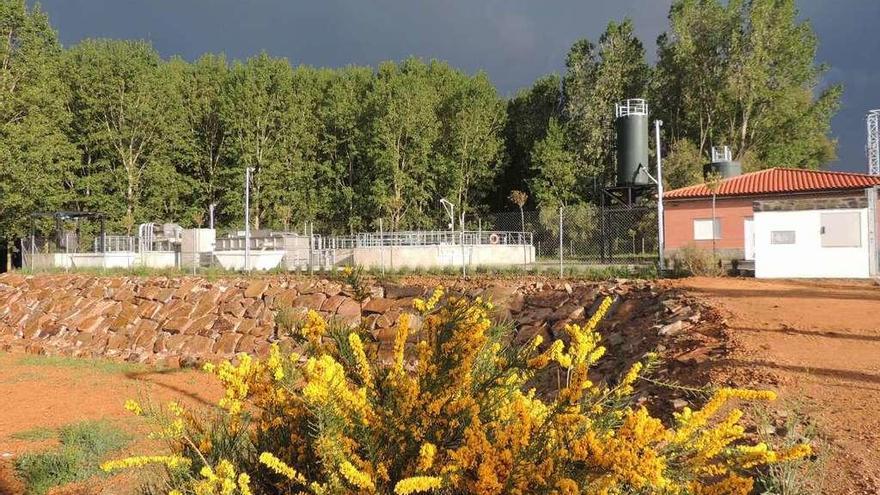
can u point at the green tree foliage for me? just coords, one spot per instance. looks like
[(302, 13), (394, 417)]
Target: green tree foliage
[(127, 112), (403, 131), (597, 78), (256, 110), (528, 116), (203, 154), (110, 126), (555, 176), (743, 74), (472, 117), (342, 149), (683, 165), (35, 155)]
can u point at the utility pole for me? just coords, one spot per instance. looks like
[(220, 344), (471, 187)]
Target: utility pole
[(661, 234), (247, 218)]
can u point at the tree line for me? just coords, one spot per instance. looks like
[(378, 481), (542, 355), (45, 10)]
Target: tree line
[(110, 126)]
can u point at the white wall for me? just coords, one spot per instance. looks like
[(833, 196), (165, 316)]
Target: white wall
[(439, 256), (806, 258)]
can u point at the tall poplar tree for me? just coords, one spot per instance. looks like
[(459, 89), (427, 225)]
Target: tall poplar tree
[(743, 74), (128, 113), (35, 154), (597, 77)]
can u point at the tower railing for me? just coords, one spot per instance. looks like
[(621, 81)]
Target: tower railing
[(632, 106)]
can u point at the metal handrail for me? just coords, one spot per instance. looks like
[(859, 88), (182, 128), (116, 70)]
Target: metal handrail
[(632, 106), (429, 238)]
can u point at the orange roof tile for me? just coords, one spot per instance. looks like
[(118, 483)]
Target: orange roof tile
[(779, 180)]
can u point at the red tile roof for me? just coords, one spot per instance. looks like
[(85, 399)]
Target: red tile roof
[(779, 180)]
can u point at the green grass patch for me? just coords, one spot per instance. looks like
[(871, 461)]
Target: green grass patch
[(86, 364), (37, 434), (83, 446)]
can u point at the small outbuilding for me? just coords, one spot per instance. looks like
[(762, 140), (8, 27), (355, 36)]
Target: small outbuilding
[(782, 222)]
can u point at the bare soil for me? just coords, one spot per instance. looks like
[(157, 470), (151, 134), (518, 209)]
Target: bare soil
[(818, 343), (50, 393)]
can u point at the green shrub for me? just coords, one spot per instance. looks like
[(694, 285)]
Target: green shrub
[(83, 446)]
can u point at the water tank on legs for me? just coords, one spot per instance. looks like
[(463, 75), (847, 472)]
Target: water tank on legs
[(631, 124), (722, 164)]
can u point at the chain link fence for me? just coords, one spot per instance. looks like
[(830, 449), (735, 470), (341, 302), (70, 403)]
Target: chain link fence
[(573, 236), (585, 234)]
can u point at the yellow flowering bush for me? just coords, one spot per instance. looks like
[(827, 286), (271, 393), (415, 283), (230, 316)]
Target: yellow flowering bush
[(452, 413)]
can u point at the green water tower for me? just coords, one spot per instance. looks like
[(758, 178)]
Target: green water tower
[(722, 164), (631, 124)]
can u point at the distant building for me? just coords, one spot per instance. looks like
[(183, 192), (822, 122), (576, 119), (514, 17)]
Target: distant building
[(783, 222)]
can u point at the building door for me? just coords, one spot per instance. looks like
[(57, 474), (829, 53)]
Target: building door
[(749, 238)]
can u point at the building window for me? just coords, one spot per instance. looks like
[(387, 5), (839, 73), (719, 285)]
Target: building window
[(841, 229), (704, 231), (782, 237)]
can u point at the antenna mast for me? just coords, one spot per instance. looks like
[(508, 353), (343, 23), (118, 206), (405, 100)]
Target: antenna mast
[(873, 146)]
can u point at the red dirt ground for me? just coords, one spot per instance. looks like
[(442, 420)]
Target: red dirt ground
[(819, 344), (38, 393)]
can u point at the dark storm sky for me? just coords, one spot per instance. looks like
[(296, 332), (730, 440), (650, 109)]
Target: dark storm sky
[(514, 41)]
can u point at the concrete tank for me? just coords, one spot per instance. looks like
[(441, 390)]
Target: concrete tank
[(631, 126)]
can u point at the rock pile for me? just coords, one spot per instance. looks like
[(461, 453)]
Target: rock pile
[(159, 319)]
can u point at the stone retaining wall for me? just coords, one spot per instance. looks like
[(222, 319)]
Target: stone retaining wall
[(190, 319)]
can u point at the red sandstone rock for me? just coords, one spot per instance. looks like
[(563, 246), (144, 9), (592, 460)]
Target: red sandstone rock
[(310, 301), (146, 339), (256, 289), (199, 325), (226, 343), (148, 309), (123, 294), (245, 344), (527, 333), (234, 309), (117, 342), (394, 291), (378, 305), (332, 303), (285, 298), (349, 309), (246, 326), (176, 325)]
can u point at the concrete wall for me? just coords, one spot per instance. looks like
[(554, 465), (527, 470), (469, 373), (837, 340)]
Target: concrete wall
[(806, 258), (119, 259), (440, 256)]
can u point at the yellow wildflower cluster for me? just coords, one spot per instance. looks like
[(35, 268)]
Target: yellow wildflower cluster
[(314, 328), (172, 461), (222, 480), (424, 306), (418, 484), (453, 413), (133, 407)]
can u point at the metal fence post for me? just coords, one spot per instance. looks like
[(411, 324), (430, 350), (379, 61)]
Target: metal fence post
[(560, 241), (381, 248), (311, 230)]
